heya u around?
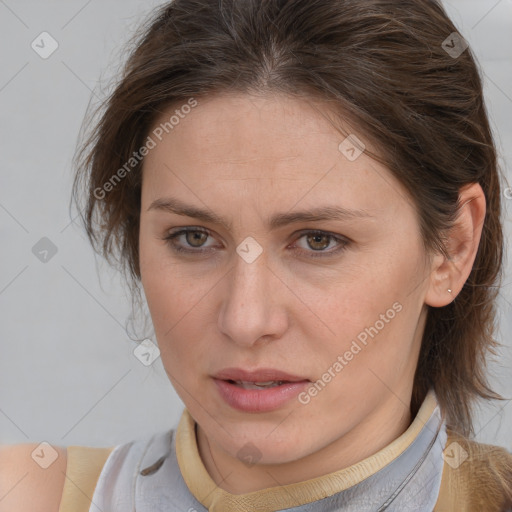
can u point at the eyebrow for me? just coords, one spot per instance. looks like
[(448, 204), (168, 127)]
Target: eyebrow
[(334, 212)]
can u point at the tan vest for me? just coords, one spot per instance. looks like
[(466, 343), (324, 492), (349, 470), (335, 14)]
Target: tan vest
[(482, 484)]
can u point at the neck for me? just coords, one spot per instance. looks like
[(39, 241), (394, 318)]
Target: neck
[(367, 438)]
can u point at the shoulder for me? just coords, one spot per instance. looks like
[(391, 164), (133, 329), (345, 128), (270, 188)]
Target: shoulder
[(491, 463), (477, 472), (32, 477)]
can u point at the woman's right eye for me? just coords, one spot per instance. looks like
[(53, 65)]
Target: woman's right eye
[(192, 236)]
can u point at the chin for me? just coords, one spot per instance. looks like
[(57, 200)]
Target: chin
[(263, 448)]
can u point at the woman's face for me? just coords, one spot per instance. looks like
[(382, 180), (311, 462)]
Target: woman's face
[(317, 269)]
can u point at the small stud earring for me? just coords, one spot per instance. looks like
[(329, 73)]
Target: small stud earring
[(449, 291)]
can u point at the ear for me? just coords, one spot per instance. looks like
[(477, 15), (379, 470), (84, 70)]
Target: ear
[(462, 245)]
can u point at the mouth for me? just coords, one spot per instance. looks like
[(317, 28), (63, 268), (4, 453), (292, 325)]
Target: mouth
[(262, 377), (258, 391), (257, 385)]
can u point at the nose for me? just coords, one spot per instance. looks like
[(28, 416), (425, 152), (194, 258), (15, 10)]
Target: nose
[(252, 305)]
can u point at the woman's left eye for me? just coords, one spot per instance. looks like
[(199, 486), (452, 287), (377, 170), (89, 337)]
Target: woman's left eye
[(318, 241)]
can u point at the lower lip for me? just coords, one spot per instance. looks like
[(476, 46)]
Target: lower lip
[(255, 400)]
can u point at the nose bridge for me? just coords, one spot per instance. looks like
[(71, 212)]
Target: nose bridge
[(247, 314)]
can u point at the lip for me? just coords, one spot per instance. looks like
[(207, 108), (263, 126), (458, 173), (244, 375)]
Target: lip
[(258, 400), (259, 375)]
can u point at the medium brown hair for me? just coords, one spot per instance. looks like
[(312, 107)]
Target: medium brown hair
[(380, 63)]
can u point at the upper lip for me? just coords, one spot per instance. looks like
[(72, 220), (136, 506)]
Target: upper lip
[(259, 375)]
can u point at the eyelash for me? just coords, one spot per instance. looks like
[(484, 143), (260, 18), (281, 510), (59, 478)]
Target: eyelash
[(314, 254)]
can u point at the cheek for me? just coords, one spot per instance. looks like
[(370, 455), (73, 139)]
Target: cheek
[(161, 289), (176, 325), (374, 313), (159, 276), (174, 301)]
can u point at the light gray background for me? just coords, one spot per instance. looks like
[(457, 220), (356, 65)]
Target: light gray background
[(67, 370)]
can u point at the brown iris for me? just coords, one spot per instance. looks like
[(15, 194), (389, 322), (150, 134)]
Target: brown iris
[(315, 237)]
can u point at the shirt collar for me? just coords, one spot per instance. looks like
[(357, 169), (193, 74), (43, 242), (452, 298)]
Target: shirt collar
[(212, 497)]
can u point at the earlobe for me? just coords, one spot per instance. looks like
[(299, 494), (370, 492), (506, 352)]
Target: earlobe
[(448, 275)]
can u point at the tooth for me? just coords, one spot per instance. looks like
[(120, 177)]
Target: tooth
[(259, 385)]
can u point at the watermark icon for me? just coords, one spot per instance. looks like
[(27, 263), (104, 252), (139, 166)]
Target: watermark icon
[(44, 455), (508, 192), (44, 45), (150, 143), (44, 250), (352, 147), (454, 455), (455, 45), (343, 360), (249, 249), (146, 352), (249, 454)]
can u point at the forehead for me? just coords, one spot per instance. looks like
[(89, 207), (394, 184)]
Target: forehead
[(247, 146), (229, 127)]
